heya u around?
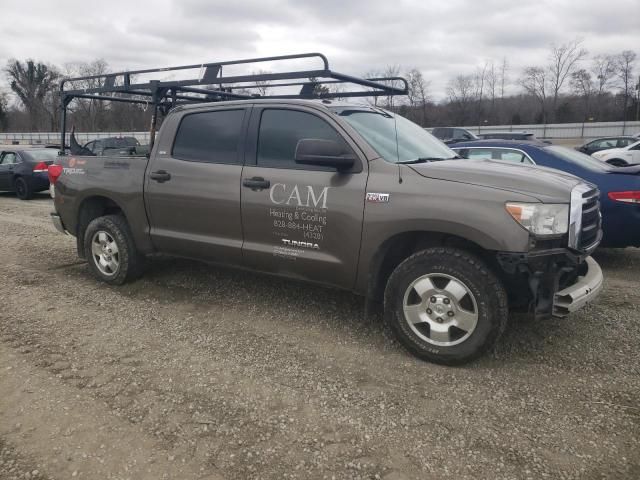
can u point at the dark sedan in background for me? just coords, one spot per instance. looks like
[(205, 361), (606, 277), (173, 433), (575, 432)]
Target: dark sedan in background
[(619, 186), (24, 170)]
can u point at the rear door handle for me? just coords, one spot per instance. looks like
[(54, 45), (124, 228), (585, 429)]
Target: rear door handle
[(160, 176), (256, 183)]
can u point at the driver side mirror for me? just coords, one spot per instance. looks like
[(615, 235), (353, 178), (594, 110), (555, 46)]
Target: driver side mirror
[(324, 153)]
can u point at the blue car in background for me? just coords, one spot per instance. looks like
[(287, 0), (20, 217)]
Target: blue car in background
[(619, 186)]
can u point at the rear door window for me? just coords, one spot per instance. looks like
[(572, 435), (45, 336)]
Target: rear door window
[(210, 137)]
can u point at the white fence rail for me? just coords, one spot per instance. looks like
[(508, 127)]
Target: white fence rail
[(566, 130), (550, 131)]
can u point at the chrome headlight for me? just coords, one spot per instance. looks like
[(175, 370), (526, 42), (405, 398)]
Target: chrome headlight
[(541, 219)]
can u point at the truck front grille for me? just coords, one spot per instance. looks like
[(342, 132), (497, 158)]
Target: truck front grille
[(584, 218), (591, 221)]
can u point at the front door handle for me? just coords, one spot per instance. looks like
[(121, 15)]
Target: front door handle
[(160, 176), (256, 183)]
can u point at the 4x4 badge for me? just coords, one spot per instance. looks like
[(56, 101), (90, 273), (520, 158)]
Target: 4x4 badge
[(378, 197)]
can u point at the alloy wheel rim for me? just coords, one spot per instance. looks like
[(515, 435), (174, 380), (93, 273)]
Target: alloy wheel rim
[(440, 309), (105, 253)]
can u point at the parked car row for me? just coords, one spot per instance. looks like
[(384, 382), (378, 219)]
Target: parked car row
[(451, 135), (621, 156), (606, 143)]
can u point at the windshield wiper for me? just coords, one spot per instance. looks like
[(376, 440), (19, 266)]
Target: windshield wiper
[(428, 159)]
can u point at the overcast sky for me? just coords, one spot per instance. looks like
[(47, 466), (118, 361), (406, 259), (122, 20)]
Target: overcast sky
[(441, 38)]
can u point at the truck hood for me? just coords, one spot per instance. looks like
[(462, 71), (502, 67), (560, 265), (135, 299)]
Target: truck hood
[(545, 184)]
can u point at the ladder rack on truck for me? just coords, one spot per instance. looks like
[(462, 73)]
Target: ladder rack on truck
[(211, 85)]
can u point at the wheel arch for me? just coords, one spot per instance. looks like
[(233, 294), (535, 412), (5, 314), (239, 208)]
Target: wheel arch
[(617, 162), (400, 246), (90, 208)]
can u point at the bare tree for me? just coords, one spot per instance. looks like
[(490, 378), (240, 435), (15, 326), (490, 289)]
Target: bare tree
[(391, 71), (262, 85), (3, 111), (583, 86), (603, 69), (318, 88), (372, 74), (563, 61), (35, 85), (492, 86), (504, 67), (624, 71), (479, 80), (534, 81), (460, 91), (418, 93), (91, 112)]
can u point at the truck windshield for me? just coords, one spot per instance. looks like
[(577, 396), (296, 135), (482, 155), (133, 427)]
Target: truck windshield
[(395, 138)]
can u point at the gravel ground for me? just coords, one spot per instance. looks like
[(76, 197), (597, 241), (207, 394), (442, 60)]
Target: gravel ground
[(206, 373)]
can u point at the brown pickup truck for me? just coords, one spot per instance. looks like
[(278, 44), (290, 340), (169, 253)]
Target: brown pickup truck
[(348, 196)]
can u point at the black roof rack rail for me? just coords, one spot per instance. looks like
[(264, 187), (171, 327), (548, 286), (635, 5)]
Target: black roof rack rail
[(211, 85)]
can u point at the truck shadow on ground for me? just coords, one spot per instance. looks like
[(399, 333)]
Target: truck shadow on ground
[(341, 314)]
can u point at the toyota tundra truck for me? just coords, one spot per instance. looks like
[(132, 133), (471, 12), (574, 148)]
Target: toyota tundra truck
[(348, 196)]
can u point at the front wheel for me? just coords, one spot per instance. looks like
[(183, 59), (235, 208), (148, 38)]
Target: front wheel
[(445, 305), (111, 251), (617, 162)]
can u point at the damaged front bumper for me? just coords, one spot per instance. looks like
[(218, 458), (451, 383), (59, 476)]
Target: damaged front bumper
[(550, 283), (585, 289)]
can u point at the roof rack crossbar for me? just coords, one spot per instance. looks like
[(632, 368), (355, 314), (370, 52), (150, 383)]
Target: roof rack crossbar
[(122, 86), (212, 64)]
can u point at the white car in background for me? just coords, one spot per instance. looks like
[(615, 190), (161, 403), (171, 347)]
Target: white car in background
[(620, 157)]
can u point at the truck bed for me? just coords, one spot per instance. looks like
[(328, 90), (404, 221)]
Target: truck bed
[(120, 178)]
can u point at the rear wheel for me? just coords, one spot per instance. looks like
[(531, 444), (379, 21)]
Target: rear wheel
[(617, 162), (22, 188), (445, 305), (111, 251)]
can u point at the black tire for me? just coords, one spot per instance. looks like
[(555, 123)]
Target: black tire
[(130, 263), (22, 188), (485, 293), (617, 162)]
